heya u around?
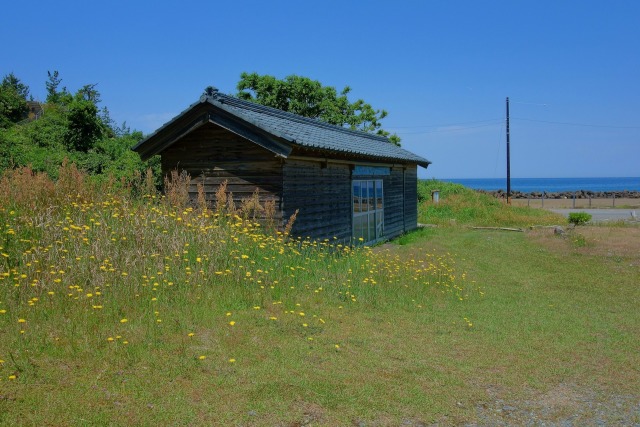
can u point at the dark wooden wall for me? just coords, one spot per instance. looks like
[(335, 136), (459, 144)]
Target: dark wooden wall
[(411, 198), (393, 203), (401, 200), (321, 191), (323, 196), (212, 155)]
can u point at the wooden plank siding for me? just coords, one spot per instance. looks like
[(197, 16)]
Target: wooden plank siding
[(322, 194), (319, 189), (411, 198), (212, 155)]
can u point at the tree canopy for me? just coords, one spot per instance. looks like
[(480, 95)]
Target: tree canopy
[(309, 98), (13, 100), (72, 127)]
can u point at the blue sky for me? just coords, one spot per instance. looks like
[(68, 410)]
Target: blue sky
[(442, 69)]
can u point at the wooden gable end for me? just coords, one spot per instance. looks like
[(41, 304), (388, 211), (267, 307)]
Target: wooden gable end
[(212, 155)]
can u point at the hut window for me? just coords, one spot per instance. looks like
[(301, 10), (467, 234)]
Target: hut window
[(368, 210)]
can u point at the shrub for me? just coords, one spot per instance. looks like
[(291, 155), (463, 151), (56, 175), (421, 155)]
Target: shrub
[(579, 218)]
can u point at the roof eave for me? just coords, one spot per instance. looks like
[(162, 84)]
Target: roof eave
[(201, 113)]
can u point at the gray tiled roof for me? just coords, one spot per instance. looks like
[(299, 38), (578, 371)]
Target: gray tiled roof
[(312, 133), (296, 130)]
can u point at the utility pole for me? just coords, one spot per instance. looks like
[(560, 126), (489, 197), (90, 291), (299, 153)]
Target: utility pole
[(508, 159)]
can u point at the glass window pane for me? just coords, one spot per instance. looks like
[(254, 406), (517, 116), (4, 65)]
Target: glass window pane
[(371, 195), (379, 225), (365, 204), (379, 198), (356, 196)]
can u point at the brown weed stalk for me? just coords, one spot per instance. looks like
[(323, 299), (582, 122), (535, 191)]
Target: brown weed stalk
[(176, 188)]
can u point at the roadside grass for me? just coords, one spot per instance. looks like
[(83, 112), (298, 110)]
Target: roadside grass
[(122, 310)]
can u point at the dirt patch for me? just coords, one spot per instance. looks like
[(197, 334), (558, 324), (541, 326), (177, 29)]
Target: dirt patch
[(308, 414), (564, 405), (619, 243)]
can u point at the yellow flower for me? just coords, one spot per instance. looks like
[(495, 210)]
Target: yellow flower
[(202, 357), (232, 360), (232, 322), (12, 377), (123, 320), (21, 321), (190, 334)]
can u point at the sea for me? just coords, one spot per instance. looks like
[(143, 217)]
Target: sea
[(551, 185)]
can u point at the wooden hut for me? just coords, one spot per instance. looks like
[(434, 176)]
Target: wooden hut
[(345, 184)]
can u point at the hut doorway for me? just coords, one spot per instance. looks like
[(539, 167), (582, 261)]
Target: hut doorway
[(368, 210)]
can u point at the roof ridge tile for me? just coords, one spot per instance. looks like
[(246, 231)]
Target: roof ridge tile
[(292, 116)]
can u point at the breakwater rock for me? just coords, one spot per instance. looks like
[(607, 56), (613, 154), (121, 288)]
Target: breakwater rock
[(580, 194)]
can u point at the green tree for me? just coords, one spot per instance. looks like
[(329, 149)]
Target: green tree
[(309, 98), (85, 126), (72, 128), (13, 100), (55, 96)]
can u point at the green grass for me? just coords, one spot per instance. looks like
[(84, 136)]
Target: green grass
[(229, 325), (461, 205)]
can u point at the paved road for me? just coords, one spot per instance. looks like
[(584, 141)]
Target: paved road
[(602, 215)]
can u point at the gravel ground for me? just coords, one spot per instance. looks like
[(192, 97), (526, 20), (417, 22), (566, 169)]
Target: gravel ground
[(564, 406), (605, 215), (583, 204)]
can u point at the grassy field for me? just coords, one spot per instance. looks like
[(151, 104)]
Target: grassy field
[(463, 206), (136, 310)]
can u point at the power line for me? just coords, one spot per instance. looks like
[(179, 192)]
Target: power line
[(577, 124), (444, 125), (529, 103), (497, 122), (439, 128)]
